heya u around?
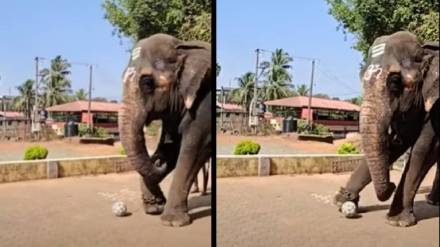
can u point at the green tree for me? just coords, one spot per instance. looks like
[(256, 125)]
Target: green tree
[(245, 91), (302, 90), (355, 100), (137, 19), (321, 95), (26, 99), (218, 68), (100, 99), (56, 83), (367, 20), (277, 77), (81, 94)]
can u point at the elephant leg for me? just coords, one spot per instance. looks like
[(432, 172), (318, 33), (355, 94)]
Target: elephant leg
[(195, 185), (422, 158), (193, 154), (164, 160), (433, 197), (361, 177), (205, 177)]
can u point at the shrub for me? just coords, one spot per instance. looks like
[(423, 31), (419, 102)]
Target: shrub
[(35, 152), (121, 150), (316, 129), (247, 147), (83, 130), (347, 148), (153, 129)]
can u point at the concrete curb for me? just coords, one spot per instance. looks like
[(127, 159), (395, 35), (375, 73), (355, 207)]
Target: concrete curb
[(265, 165), (13, 171)]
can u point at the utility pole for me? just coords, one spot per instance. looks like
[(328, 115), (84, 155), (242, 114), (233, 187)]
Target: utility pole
[(222, 106), (309, 118), (90, 122), (252, 106), (256, 82), (35, 120), (4, 115)]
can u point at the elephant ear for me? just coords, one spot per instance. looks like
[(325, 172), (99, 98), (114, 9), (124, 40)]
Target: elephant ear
[(430, 88), (195, 70)]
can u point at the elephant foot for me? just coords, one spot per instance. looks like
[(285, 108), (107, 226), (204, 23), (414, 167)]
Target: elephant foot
[(153, 205), (343, 195), (175, 219), (404, 219)]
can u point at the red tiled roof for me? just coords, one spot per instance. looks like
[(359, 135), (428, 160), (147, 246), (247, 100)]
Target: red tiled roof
[(230, 107), (82, 105), (302, 101), (11, 114)]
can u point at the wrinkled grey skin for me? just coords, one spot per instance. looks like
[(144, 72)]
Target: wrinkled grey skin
[(400, 85), (168, 79)]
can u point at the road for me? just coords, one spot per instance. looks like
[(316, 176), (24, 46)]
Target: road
[(76, 211), (297, 211)]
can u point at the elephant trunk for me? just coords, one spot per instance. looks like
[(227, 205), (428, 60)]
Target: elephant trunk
[(132, 119), (374, 121)]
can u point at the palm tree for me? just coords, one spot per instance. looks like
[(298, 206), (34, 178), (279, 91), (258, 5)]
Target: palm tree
[(56, 83), (26, 98), (81, 94), (277, 77), (302, 90), (245, 91)]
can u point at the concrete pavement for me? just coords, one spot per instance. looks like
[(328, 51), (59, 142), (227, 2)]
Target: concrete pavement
[(76, 211), (297, 211)]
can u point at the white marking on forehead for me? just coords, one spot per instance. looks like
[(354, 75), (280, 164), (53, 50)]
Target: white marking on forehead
[(129, 73), (377, 50), (136, 53)]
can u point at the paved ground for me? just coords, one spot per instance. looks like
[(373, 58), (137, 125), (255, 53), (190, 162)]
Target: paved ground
[(77, 212), (297, 211)]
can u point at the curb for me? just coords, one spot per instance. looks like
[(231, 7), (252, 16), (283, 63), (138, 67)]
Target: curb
[(14, 171)]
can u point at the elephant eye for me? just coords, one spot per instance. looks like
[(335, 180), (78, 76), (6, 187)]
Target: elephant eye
[(146, 83)]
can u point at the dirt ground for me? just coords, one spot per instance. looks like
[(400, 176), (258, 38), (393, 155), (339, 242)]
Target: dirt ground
[(298, 211), (76, 211), (280, 144), (11, 150)]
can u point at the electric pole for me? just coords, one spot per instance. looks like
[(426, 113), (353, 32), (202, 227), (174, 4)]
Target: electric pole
[(90, 122), (256, 83), (309, 118)]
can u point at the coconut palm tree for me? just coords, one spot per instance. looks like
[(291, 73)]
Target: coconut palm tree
[(277, 79), (26, 98), (56, 83), (302, 90), (81, 94), (245, 91)]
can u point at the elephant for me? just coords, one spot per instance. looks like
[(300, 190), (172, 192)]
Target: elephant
[(400, 83), (170, 80), (205, 175)]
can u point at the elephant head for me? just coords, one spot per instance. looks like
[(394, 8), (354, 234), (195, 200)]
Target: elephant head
[(163, 77), (392, 79)]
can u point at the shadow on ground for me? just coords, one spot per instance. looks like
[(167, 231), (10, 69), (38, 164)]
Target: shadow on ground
[(422, 210), (197, 206)]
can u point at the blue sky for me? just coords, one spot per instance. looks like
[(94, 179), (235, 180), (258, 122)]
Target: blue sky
[(76, 30), (302, 28)]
